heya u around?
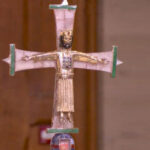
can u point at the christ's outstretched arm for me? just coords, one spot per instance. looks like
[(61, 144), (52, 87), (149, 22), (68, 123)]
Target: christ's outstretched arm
[(83, 57), (51, 56)]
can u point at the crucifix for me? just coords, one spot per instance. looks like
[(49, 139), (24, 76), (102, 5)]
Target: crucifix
[(64, 60)]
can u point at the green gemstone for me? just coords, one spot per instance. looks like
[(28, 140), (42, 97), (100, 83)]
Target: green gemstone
[(12, 59), (62, 7), (74, 130), (114, 61)]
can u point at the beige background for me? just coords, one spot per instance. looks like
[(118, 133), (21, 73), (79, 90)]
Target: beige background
[(126, 99)]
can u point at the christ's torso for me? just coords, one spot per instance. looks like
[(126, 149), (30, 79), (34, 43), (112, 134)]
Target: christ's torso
[(64, 64)]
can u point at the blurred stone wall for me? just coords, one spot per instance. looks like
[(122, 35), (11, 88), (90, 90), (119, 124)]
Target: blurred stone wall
[(125, 100)]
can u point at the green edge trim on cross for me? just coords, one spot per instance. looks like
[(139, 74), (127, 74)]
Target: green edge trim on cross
[(12, 59), (114, 61), (62, 7), (74, 130)]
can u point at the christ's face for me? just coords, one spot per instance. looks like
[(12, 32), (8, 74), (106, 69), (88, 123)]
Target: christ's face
[(66, 39)]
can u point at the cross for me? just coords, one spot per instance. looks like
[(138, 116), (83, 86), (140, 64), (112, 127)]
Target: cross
[(64, 60)]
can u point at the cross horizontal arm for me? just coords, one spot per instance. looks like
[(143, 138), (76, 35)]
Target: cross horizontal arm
[(109, 57), (19, 60)]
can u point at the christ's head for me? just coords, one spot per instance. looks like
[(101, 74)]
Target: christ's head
[(66, 38)]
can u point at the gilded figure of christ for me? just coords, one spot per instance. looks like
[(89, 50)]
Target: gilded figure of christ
[(64, 60)]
